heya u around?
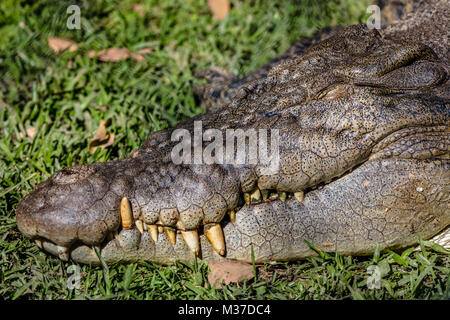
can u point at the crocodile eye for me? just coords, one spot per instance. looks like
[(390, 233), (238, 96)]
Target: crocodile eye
[(72, 174)]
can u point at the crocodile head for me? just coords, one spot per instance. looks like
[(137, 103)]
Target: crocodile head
[(361, 127)]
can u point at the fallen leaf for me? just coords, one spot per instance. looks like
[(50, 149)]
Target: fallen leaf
[(219, 8), (137, 56), (228, 271), (112, 54), (31, 132), (145, 51), (139, 8), (102, 137), (117, 54), (60, 44)]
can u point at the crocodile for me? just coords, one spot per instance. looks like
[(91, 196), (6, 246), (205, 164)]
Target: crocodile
[(357, 124)]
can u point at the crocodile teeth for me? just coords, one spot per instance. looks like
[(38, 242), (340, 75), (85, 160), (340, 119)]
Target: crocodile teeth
[(140, 226), (160, 229), (273, 196), (63, 253), (299, 196), (192, 240), (39, 243), (232, 215), (153, 230), (255, 196), (283, 196), (247, 197), (126, 214), (265, 194), (214, 234), (171, 235)]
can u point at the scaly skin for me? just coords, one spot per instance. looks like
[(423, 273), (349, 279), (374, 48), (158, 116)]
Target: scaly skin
[(412, 21), (363, 126)]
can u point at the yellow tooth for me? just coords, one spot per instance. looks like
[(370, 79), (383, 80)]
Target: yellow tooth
[(126, 214), (283, 196), (171, 235), (273, 196), (232, 215), (160, 229), (140, 226), (299, 196), (255, 196), (214, 234), (39, 243), (63, 253), (179, 225), (247, 197), (265, 194), (192, 240), (153, 230)]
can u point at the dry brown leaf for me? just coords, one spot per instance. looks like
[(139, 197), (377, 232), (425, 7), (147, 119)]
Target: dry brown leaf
[(145, 51), (102, 137), (31, 132), (139, 8), (117, 54), (61, 44), (137, 56), (112, 54), (219, 8), (228, 271)]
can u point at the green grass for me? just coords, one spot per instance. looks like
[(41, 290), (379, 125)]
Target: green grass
[(64, 96)]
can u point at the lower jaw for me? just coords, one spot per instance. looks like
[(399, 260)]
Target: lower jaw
[(239, 245)]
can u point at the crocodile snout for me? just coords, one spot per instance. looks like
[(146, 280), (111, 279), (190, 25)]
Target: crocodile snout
[(115, 202), (76, 203)]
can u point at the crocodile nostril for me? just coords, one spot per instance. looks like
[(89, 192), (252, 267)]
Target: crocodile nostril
[(33, 202), (65, 176), (72, 174)]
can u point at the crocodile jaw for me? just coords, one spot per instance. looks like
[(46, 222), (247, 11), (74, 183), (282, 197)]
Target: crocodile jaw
[(277, 230), (350, 215)]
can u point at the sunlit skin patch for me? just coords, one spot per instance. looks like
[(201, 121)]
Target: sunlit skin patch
[(340, 126)]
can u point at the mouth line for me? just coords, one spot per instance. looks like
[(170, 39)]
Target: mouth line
[(212, 231)]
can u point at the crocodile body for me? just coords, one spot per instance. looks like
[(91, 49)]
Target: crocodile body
[(361, 121)]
